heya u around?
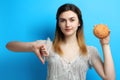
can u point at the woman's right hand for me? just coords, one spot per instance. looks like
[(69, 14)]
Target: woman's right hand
[(41, 51)]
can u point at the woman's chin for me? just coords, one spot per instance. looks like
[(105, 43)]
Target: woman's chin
[(68, 34)]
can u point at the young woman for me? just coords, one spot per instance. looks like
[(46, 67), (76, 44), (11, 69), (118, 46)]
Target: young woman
[(68, 56)]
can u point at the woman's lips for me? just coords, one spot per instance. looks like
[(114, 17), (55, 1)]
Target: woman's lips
[(68, 30)]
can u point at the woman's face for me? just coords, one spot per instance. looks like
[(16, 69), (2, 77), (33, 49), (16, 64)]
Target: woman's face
[(68, 23)]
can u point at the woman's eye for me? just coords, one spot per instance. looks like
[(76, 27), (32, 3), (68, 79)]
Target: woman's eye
[(72, 20), (61, 20)]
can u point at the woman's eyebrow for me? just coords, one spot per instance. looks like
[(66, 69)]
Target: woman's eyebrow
[(61, 18), (69, 18)]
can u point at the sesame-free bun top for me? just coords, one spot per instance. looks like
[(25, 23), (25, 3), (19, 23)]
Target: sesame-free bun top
[(101, 31)]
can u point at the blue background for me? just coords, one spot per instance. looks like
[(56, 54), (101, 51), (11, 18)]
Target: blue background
[(31, 20)]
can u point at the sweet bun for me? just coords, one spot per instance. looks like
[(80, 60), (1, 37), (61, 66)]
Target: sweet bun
[(101, 31)]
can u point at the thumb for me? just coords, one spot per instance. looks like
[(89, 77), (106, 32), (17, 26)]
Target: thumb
[(39, 56)]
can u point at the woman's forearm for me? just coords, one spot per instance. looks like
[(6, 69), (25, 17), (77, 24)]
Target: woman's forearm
[(20, 46), (108, 62)]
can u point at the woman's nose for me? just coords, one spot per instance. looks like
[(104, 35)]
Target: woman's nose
[(67, 23)]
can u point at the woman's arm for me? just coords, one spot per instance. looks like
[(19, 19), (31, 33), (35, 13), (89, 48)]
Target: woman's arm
[(20, 46), (106, 69), (39, 49)]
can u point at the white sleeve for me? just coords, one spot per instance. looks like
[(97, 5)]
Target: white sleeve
[(93, 56)]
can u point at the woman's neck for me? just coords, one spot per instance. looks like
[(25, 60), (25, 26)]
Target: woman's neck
[(70, 39)]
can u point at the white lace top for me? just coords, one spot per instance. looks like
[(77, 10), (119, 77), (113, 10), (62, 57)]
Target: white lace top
[(61, 69)]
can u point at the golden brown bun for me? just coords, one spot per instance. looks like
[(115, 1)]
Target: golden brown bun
[(101, 31)]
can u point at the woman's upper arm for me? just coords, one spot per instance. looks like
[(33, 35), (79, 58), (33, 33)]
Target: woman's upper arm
[(98, 66), (96, 62)]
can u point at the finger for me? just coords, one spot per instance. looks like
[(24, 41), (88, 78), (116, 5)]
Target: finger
[(42, 46), (44, 52)]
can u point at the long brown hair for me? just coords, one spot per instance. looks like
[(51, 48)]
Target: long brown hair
[(59, 36)]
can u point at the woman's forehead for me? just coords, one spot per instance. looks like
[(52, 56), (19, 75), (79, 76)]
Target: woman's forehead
[(68, 14)]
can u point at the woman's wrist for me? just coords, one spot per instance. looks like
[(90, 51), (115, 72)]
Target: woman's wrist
[(33, 46), (104, 44)]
